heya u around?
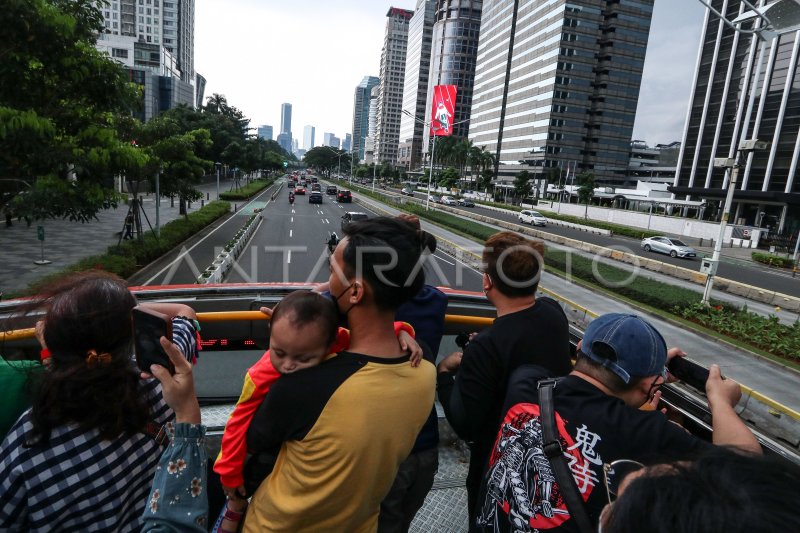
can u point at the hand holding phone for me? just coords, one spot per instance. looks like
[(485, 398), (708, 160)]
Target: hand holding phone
[(148, 327), (689, 372)]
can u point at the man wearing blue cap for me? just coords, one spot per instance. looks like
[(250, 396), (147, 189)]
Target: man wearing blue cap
[(620, 366)]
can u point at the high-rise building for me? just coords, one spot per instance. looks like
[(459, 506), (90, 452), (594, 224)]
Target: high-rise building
[(329, 139), (347, 142), (286, 118), (361, 102), (392, 73), (285, 141), (199, 90), (156, 44), (557, 84), (170, 25), (308, 137), (415, 86), (265, 132), (744, 88), (372, 126), (453, 56), (152, 67)]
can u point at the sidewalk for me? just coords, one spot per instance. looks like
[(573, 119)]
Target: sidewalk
[(67, 242)]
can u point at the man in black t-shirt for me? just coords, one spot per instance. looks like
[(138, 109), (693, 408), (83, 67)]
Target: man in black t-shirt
[(621, 365), (528, 330)]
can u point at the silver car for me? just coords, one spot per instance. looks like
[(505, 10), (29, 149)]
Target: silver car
[(533, 218), (668, 245)]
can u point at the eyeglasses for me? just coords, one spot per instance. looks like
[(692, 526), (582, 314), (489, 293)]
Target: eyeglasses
[(615, 472), (656, 384)]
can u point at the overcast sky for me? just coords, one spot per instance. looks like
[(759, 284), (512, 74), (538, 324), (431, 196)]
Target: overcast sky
[(313, 53)]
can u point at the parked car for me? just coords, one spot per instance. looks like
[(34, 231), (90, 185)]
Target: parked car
[(432, 198), (352, 216), (300, 190), (533, 218), (344, 196), (465, 202), (668, 245), (315, 197), (447, 200), (332, 189), (408, 191)]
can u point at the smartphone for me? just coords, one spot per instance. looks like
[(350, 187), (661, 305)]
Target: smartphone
[(148, 328), (689, 372)]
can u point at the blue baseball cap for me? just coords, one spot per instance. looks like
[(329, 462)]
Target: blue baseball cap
[(627, 345)]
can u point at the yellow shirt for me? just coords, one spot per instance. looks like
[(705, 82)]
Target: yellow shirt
[(342, 429)]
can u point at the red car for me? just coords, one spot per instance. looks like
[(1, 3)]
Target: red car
[(300, 190), (344, 196)]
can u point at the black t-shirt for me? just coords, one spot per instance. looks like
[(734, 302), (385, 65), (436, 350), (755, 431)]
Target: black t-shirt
[(538, 335), (594, 429)]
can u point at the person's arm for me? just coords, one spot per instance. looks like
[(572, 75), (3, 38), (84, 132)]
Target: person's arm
[(233, 451), (472, 392), (178, 500), (13, 496), (172, 309), (728, 428)]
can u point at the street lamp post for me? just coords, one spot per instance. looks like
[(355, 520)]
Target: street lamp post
[(709, 267)]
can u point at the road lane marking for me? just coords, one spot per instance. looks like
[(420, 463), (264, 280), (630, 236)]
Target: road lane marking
[(292, 210), (292, 221), (442, 259), (290, 233), (289, 257), (180, 257)]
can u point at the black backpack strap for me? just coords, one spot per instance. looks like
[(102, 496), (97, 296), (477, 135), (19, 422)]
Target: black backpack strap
[(554, 452)]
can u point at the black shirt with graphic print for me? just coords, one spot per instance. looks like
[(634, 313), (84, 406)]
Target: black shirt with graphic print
[(519, 491)]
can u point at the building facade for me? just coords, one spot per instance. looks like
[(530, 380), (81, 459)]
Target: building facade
[(392, 74), (347, 142), (152, 67), (265, 132), (372, 126), (329, 139), (286, 119), (308, 137), (170, 24), (285, 141), (361, 102), (453, 58), (557, 85), (415, 86), (744, 88)]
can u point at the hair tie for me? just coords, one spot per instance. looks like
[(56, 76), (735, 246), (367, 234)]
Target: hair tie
[(92, 358)]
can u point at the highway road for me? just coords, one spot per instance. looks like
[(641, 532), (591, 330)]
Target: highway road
[(755, 275), (290, 246)]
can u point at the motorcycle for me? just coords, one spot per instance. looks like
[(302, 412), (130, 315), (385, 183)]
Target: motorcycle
[(291, 200)]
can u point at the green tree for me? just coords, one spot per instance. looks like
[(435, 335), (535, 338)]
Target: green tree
[(586, 188), (174, 154), (63, 108), (522, 184), (448, 178)]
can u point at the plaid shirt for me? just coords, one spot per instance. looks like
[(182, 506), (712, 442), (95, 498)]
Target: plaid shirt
[(79, 481)]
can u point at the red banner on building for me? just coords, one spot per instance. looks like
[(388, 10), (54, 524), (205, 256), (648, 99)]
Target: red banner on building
[(443, 110)]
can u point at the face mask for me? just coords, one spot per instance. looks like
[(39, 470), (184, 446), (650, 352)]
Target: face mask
[(342, 315)]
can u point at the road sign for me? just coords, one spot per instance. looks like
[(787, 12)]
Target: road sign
[(40, 236), (285, 164)]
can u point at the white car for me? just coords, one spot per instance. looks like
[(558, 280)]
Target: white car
[(533, 218), (668, 245), (447, 200)]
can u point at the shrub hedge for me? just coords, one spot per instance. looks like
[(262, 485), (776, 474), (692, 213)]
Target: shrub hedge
[(773, 260), (248, 190)]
